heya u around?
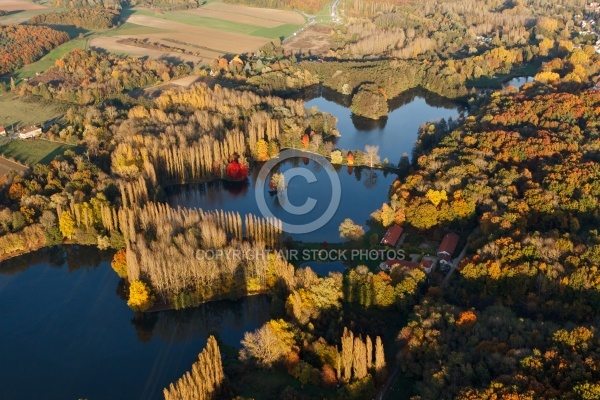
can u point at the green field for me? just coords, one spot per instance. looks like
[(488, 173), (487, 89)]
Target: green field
[(49, 59), (22, 112), (219, 24), (33, 151), (132, 29), (276, 32)]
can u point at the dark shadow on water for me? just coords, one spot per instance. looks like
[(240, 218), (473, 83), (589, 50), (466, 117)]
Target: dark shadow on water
[(204, 320), (75, 257), (368, 124)]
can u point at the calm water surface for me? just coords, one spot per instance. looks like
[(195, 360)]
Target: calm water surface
[(395, 134), (66, 333), (362, 190)]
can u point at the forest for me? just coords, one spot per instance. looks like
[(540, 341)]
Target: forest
[(518, 176), (87, 77), (89, 18), (22, 44)]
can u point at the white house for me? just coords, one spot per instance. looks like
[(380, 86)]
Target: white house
[(30, 132)]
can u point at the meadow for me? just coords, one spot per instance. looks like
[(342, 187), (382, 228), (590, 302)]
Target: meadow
[(33, 151)]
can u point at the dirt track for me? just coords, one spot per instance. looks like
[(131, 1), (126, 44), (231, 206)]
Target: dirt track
[(6, 166), (110, 44)]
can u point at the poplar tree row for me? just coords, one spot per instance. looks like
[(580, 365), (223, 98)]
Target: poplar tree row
[(189, 256), (204, 380), (357, 357)]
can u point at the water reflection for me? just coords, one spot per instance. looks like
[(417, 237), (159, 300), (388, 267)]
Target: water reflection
[(397, 133), (362, 191), (67, 324)]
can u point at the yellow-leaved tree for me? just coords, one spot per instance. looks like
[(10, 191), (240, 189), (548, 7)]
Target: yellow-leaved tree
[(66, 224), (140, 296), (436, 196), (262, 150)]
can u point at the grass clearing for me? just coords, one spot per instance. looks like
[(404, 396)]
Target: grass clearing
[(26, 111), (131, 29), (44, 63), (277, 32), (34, 151)]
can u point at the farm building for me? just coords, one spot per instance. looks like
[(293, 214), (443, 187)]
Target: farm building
[(2, 131), (392, 236), (30, 132), (448, 246)]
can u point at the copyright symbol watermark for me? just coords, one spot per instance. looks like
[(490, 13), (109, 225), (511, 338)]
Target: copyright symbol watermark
[(312, 223)]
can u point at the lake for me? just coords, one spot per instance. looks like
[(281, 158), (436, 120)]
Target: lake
[(395, 134), (67, 332), (362, 190)]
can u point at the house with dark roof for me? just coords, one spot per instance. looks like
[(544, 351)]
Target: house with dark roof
[(392, 236), (448, 246)]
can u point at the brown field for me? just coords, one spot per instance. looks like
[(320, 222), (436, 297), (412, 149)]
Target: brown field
[(19, 11), (264, 17), (19, 5), (6, 166), (110, 44), (221, 41), (204, 53), (315, 38)]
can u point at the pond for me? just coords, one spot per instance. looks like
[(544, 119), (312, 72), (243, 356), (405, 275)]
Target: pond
[(518, 82), (324, 268), (395, 134), (66, 333), (362, 190)]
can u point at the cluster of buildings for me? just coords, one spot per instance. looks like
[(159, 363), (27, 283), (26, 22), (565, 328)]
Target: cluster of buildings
[(25, 133), (394, 237)]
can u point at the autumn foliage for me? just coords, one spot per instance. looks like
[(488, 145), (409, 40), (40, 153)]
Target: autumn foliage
[(140, 296), (119, 263), (89, 18), (236, 171), (22, 44)]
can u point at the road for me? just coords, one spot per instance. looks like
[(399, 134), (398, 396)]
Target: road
[(316, 19), (455, 262), (388, 384)]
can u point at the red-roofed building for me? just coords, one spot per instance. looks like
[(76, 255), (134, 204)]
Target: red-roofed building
[(2, 131), (392, 236), (448, 246)]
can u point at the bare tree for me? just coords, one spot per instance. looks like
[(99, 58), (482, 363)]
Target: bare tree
[(372, 155)]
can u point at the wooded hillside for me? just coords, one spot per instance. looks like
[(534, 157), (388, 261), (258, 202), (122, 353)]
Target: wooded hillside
[(88, 18), (22, 44)]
